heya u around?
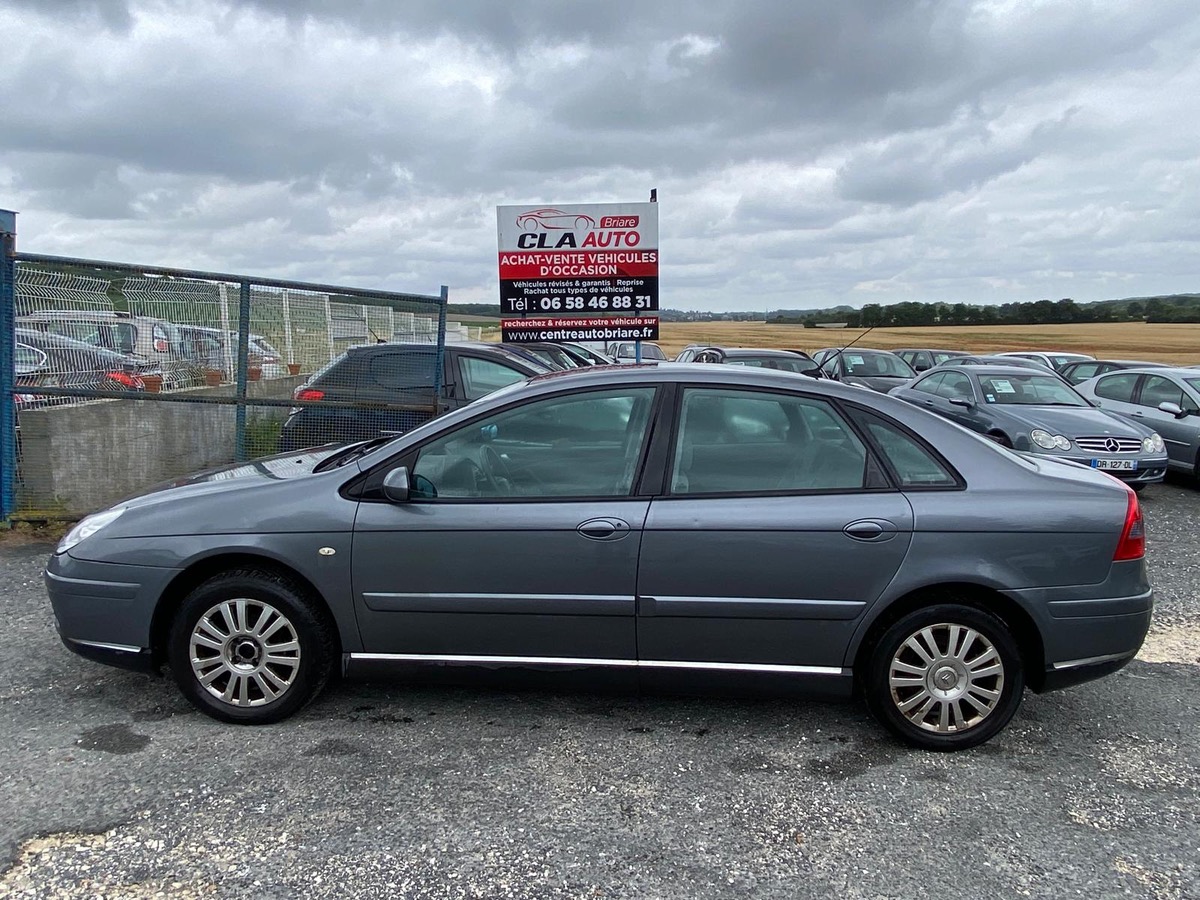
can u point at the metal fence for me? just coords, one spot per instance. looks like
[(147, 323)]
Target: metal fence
[(116, 376)]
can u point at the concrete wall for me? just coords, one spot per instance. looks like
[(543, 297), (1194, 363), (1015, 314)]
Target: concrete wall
[(80, 458)]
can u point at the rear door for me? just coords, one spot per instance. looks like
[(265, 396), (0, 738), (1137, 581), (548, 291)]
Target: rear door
[(777, 529), (1178, 434)]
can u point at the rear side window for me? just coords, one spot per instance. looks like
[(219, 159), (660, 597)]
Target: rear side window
[(746, 442), (930, 385), (913, 464), (1082, 372), (403, 371), (1116, 387)]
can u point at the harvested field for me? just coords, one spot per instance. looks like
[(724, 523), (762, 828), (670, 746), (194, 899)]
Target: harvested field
[(1128, 340)]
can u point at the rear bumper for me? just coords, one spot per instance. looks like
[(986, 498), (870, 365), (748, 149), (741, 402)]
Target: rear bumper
[(1087, 639)]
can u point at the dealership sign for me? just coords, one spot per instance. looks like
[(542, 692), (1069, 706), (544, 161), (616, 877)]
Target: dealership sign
[(580, 328), (582, 259)]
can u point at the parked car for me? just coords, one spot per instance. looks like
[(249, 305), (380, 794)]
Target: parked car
[(51, 360), (1052, 359), (780, 360), (625, 352), (155, 340), (1167, 400), (879, 370), (551, 355), (998, 361), (676, 523), (922, 359), (388, 389), (1079, 372), (1038, 412), (688, 353), (595, 357)]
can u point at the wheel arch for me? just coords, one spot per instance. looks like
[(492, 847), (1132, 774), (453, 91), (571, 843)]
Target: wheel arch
[(1018, 620), (201, 570)]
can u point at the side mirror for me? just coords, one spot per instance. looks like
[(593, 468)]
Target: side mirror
[(1172, 409), (961, 401), (395, 485)]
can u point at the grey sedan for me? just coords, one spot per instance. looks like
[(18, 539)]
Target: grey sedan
[(1167, 400), (676, 523), (1040, 413)]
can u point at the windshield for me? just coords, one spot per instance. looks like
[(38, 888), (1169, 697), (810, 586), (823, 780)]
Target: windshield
[(939, 358), (1029, 390), (869, 364)]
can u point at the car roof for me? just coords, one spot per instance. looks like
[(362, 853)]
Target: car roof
[(757, 351), (994, 369), (1130, 363), (672, 372)]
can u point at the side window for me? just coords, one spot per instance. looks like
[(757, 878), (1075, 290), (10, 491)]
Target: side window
[(920, 359), (403, 371), (28, 359), (1156, 390), (737, 442), (914, 464), (482, 376), (1082, 372), (1116, 387), (584, 445), (930, 385), (956, 385)]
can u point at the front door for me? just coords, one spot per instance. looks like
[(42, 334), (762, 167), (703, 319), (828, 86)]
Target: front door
[(519, 543)]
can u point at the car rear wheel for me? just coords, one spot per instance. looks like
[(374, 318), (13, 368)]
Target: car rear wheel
[(946, 677), (251, 647)]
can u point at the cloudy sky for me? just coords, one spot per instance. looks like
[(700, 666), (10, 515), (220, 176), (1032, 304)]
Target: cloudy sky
[(806, 152)]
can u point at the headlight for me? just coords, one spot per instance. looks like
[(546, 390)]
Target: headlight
[(88, 526), (1153, 444), (1048, 441)]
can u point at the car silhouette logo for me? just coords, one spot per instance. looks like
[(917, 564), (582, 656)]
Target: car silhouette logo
[(550, 219)]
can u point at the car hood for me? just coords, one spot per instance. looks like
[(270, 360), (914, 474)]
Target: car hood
[(1073, 421), (236, 476)]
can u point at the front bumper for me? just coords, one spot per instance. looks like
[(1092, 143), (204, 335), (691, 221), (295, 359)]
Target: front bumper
[(1150, 469), (104, 611)]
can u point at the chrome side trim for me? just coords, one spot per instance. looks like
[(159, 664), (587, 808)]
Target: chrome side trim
[(754, 607), (532, 604), (464, 659), (122, 648), (1091, 661)]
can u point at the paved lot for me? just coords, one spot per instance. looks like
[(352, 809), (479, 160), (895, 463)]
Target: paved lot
[(111, 786)]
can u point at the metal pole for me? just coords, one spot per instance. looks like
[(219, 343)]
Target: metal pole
[(440, 358), (287, 328), (239, 453), (8, 416)]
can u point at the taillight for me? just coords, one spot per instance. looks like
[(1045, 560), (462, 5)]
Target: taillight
[(308, 394), (1133, 536), (161, 346), (133, 382)]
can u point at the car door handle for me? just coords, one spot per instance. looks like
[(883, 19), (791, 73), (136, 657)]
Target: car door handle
[(870, 530), (1138, 415), (604, 529)]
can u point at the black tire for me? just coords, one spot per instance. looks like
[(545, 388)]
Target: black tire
[(973, 686), (282, 667)]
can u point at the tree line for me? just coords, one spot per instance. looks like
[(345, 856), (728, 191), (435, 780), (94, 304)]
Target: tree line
[(1176, 308)]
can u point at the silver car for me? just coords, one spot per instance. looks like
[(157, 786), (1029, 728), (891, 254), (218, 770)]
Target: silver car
[(675, 523), (1166, 400)]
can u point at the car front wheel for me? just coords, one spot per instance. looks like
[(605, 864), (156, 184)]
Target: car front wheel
[(251, 647), (946, 677)]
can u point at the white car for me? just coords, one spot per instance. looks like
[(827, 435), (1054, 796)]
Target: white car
[(625, 352)]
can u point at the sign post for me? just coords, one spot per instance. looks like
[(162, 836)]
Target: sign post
[(581, 260)]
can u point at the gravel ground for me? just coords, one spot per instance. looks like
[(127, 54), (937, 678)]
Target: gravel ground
[(113, 787)]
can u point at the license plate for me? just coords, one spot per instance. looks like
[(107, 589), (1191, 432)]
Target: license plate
[(1122, 465)]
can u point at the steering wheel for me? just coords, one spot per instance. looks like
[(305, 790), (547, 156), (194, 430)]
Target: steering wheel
[(496, 470)]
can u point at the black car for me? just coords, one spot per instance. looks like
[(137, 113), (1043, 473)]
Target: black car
[(1019, 361), (388, 389), (50, 360), (1079, 372), (879, 370), (779, 360), (548, 354)]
